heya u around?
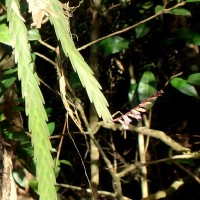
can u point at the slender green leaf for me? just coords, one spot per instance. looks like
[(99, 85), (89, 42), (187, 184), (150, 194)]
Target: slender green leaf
[(179, 11), (132, 91), (142, 30), (33, 103), (93, 88), (194, 79), (192, 1), (4, 34), (66, 162), (113, 45), (147, 86), (183, 86)]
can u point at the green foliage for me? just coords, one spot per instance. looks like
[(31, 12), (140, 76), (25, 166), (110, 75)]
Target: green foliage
[(183, 86), (8, 77), (4, 34), (34, 185), (179, 11), (34, 102), (188, 35), (51, 127), (93, 88), (113, 45), (147, 86), (159, 9), (20, 177), (142, 30), (194, 79), (192, 1)]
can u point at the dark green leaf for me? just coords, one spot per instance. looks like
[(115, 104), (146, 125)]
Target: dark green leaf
[(113, 45), (196, 39), (7, 79), (183, 86), (179, 11), (74, 80), (194, 79), (147, 85), (33, 34), (142, 30), (159, 9), (188, 35), (132, 91)]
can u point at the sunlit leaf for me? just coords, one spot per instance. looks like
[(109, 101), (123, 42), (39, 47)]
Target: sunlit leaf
[(113, 45), (142, 30), (147, 85), (183, 86), (4, 34), (179, 11), (34, 101), (194, 79)]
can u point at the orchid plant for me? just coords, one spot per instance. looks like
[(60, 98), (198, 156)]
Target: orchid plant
[(136, 112)]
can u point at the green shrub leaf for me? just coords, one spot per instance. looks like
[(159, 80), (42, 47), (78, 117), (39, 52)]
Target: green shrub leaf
[(113, 45), (183, 86), (147, 85), (7, 79), (191, 1), (142, 30), (159, 9), (194, 79), (179, 11)]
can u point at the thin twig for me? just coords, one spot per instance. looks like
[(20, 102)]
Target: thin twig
[(102, 193), (132, 167), (61, 142), (133, 26), (196, 178), (45, 58), (47, 45), (150, 132)]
